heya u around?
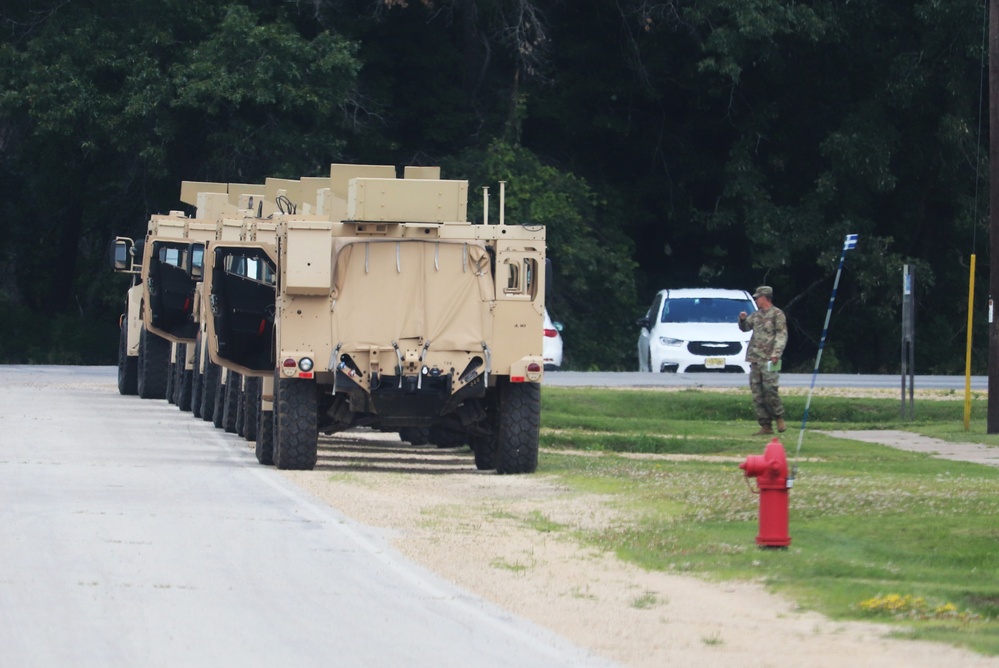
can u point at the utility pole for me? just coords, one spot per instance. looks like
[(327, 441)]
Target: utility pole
[(993, 407)]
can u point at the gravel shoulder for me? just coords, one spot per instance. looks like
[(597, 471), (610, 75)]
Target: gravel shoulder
[(486, 533)]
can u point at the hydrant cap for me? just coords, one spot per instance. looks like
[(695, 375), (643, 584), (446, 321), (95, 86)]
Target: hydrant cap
[(754, 466), (776, 457)]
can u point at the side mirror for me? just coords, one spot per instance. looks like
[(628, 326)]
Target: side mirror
[(557, 326), (643, 322), (120, 256)]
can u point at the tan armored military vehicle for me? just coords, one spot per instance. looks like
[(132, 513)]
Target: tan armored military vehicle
[(161, 307), (380, 304)]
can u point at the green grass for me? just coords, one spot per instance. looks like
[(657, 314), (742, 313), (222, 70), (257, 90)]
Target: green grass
[(868, 522)]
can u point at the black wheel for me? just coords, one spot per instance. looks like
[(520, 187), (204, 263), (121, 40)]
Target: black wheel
[(196, 381), (172, 384), (171, 374), (519, 427), (218, 410), (265, 436), (484, 449), (209, 388), (296, 434), (128, 367), (240, 418), (251, 403), (182, 381), (230, 402), (415, 435), (446, 438), (154, 366), (484, 445)]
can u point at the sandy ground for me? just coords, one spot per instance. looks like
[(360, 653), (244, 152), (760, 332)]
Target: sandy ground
[(481, 531)]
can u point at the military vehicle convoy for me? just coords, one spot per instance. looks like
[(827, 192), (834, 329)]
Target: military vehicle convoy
[(358, 300), (162, 311)]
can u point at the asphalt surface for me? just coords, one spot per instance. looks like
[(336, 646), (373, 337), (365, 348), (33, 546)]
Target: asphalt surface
[(134, 535)]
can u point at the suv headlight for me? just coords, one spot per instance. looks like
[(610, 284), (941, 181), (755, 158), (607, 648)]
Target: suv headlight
[(667, 341)]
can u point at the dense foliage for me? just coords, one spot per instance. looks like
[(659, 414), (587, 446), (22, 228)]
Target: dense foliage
[(663, 143)]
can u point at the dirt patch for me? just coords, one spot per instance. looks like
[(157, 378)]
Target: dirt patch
[(496, 536)]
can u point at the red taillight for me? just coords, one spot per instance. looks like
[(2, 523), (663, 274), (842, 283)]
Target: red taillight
[(551, 333), (533, 367), (289, 363)]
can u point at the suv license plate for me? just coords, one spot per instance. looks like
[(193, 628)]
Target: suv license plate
[(714, 363)]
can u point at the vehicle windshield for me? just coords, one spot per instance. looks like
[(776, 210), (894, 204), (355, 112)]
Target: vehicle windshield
[(705, 309)]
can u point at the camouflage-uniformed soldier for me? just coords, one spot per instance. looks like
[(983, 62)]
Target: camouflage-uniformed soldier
[(769, 327)]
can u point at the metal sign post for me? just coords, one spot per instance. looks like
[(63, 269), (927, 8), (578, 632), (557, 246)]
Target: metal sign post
[(908, 339)]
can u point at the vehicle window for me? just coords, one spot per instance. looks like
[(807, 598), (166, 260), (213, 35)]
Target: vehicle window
[(513, 278), (705, 309), (198, 256), (521, 277), (251, 267), (169, 255), (654, 310)]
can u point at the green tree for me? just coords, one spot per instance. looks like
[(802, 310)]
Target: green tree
[(747, 137), (105, 107), (594, 285)]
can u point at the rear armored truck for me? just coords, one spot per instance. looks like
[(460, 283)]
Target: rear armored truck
[(383, 306)]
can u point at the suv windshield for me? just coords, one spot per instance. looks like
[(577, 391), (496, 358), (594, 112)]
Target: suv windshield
[(705, 309)]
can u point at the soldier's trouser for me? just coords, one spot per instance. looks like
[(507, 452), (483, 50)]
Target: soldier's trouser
[(764, 385)]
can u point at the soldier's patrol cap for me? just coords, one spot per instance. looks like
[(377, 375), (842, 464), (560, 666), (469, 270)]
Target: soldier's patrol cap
[(763, 291)]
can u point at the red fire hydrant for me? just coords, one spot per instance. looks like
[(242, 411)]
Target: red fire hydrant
[(770, 471)]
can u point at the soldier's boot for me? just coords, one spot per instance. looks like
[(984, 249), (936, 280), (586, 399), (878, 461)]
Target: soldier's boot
[(764, 429), (780, 425)]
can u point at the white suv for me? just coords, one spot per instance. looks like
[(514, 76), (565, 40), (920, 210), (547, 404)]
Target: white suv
[(695, 329), (552, 344)]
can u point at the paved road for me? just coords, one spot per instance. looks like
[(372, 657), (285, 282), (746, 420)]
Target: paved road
[(133, 535)]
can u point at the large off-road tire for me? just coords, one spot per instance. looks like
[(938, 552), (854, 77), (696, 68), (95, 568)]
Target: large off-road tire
[(296, 434), (240, 418), (484, 446), (251, 404), (196, 383), (484, 449), (230, 404), (218, 410), (154, 366), (209, 388), (445, 438), (182, 382), (415, 435), (171, 395), (265, 437), (519, 427), (128, 367)]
